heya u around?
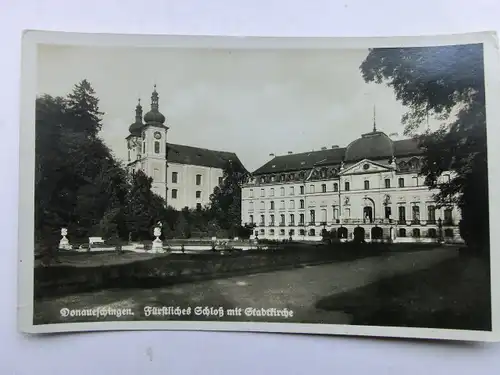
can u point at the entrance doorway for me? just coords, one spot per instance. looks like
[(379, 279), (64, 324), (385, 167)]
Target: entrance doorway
[(368, 214), (359, 234)]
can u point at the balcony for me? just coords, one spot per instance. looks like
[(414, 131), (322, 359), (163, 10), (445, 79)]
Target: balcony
[(271, 224), (282, 225), (291, 224), (312, 223), (301, 224)]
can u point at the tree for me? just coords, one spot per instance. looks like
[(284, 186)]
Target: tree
[(143, 208), (83, 107), (442, 82), (225, 201)]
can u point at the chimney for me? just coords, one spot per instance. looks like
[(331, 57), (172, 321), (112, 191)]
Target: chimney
[(323, 148), (271, 155), (335, 146), (290, 152)]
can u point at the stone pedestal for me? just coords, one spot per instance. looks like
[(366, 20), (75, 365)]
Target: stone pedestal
[(64, 242), (157, 243)]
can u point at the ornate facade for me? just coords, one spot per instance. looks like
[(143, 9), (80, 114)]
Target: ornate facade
[(369, 189), (183, 175)]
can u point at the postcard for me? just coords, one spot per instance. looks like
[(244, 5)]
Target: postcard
[(339, 186)]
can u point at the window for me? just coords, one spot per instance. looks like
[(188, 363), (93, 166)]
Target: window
[(282, 220), (415, 214), (347, 213), (302, 190), (335, 213), (335, 187), (347, 186), (262, 205), (402, 232), (251, 219), (261, 192), (416, 233), (401, 182), (448, 232), (198, 206), (301, 203), (175, 176), (323, 216), (157, 147), (311, 189), (174, 193), (402, 214), (431, 214), (292, 192), (143, 147), (302, 232), (387, 183), (251, 206), (198, 179), (431, 233), (221, 180), (282, 205), (323, 188), (312, 216), (282, 191), (250, 194), (272, 205), (292, 204), (448, 217), (301, 219), (262, 220), (129, 155), (292, 219), (388, 212), (272, 220), (367, 185), (198, 194), (271, 192), (156, 174), (416, 180)]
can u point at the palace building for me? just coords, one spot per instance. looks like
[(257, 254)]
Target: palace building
[(183, 175), (370, 189)]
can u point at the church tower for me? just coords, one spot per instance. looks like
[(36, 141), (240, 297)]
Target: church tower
[(134, 141), (153, 148)]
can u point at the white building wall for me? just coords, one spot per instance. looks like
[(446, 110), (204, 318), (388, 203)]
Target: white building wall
[(183, 192)]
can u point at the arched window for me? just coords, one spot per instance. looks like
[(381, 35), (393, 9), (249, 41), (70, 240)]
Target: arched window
[(301, 203), (292, 204), (323, 188), (272, 205)]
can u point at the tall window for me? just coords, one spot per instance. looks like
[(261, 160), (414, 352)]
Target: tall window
[(272, 220), (198, 179), (271, 192), (347, 213), (221, 180), (292, 219), (301, 203), (335, 187), (261, 192), (401, 182), (335, 213), (282, 219), (272, 205), (282, 191), (312, 216), (347, 186), (323, 216), (251, 219), (292, 192), (415, 213), (262, 220), (156, 174), (323, 188), (251, 206), (301, 219), (175, 177), (128, 155), (250, 194), (157, 147), (174, 193), (431, 214), (198, 194), (387, 183), (262, 205), (367, 185), (311, 189), (402, 213), (143, 147), (292, 204), (448, 217), (302, 190), (388, 212), (282, 205)]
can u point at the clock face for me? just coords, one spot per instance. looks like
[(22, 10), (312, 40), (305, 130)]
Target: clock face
[(157, 135), (366, 166)]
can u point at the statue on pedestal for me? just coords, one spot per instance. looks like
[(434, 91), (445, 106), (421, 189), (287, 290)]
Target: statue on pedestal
[(157, 243), (64, 242)]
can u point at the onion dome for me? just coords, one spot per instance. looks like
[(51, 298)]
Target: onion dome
[(154, 116), (136, 127)]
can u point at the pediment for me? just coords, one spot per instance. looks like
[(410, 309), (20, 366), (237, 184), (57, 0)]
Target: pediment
[(365, 167)]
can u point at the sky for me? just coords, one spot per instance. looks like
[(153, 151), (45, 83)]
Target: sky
[(251, 102)]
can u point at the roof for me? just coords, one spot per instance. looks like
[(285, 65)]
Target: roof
[(307, 160), (370, 146), (199, 156)]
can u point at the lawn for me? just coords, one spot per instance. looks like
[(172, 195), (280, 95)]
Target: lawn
[(454, 294)]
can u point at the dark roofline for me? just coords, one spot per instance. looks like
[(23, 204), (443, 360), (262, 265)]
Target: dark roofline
[(220, 156)]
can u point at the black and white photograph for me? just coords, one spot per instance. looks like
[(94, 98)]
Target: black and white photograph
[(331, 186)]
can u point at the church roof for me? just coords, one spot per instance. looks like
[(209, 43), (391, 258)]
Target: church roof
[(334, 156), (202, 157)]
